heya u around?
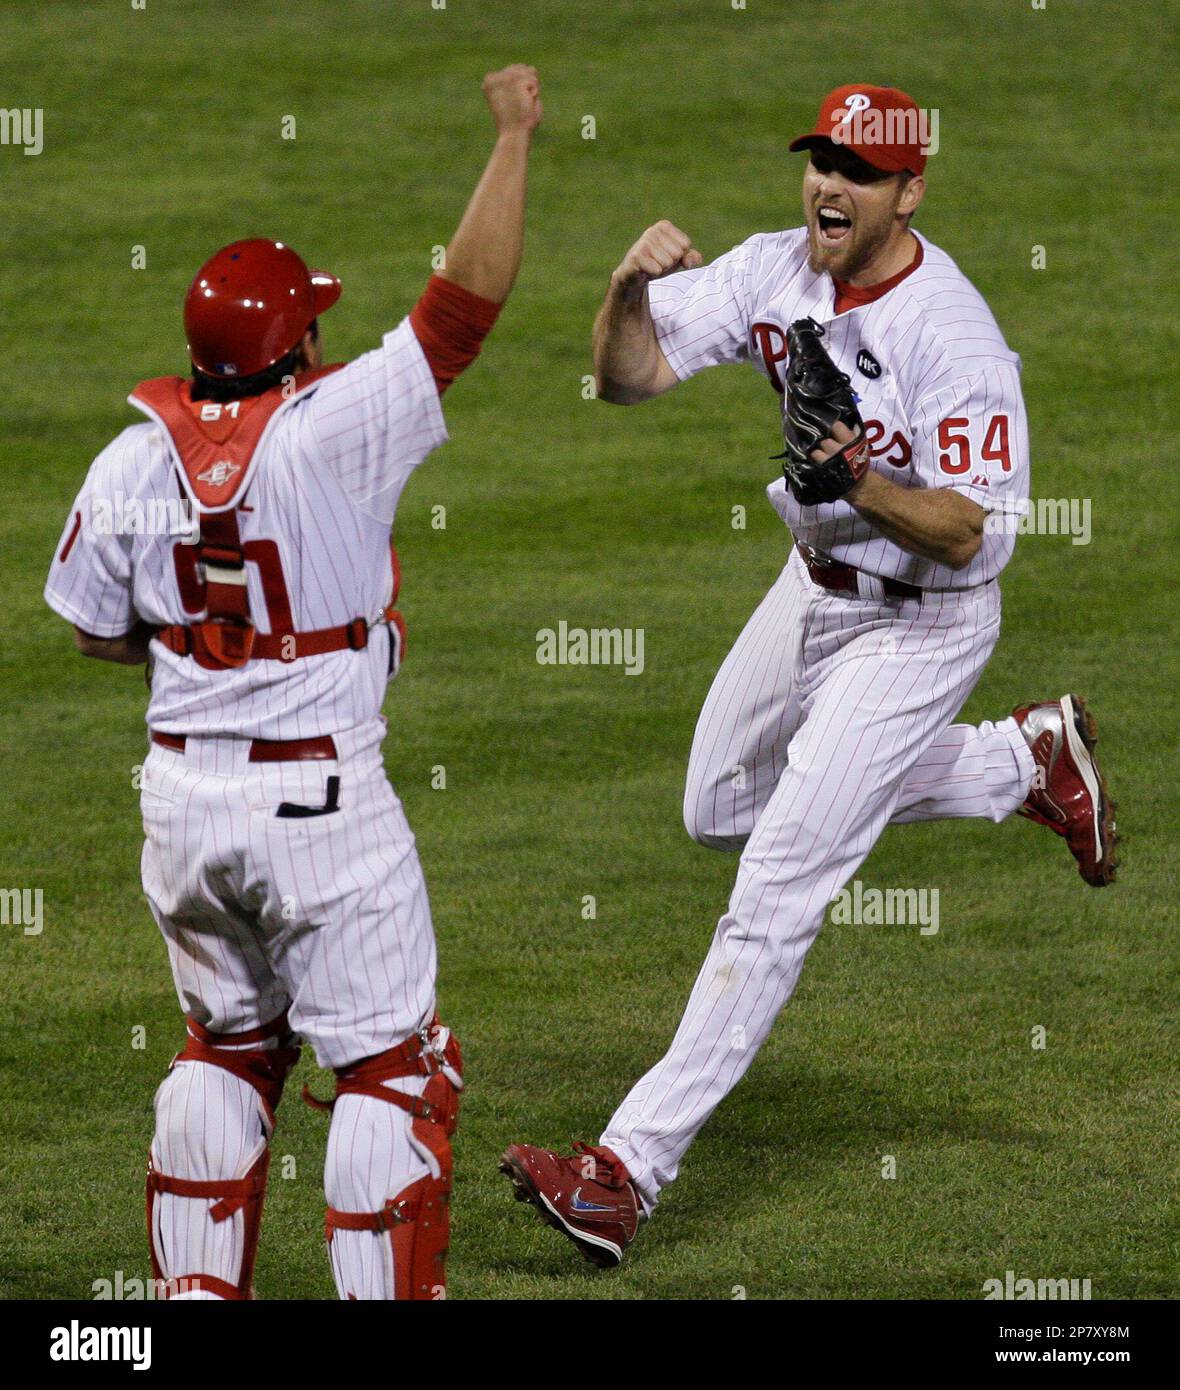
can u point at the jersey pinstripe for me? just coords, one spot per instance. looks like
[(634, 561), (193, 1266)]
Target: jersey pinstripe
[(939, 389), (325, 492), (829, 719)]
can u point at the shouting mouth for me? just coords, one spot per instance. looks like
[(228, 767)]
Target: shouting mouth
[(832, 225)]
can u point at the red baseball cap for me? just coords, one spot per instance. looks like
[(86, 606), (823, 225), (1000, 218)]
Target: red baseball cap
[(880, 124), (249, 305)]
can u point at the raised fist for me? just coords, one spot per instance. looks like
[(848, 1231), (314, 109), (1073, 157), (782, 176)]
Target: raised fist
[(514, 96), (660, 251)]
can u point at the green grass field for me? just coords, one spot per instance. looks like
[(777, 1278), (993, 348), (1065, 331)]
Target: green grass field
[(162, 130)]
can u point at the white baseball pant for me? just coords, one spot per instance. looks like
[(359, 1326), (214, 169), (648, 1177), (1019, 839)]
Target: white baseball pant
[(325, 917), (829, 719)]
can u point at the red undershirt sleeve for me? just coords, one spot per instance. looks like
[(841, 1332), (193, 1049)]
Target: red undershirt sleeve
[(451, 323)]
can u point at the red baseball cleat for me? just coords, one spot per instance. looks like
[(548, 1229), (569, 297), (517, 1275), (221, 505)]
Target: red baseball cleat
[(1069, 793), (588, 1196)]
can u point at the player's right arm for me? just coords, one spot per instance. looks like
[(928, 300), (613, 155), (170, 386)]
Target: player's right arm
[(91, 581), (462, 301), (131, 649), (484, 254), (629, 364), (374, 422)]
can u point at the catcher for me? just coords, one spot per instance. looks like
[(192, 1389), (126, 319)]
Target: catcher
[(278, 862), (906, 465)]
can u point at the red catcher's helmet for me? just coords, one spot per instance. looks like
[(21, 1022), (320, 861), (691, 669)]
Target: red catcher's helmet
[(250, 304)]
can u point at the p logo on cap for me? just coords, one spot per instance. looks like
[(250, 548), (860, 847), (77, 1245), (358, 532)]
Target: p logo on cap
[(882, 125)]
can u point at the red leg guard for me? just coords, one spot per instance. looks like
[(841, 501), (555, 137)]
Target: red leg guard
[(418, 1226), (234, 1194), (417, 1219), (266, 1071)]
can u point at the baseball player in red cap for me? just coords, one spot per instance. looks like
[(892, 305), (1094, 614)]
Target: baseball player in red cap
[(278, 862), (906, 464)]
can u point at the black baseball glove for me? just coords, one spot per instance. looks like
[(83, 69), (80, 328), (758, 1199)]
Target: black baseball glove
[(817, 395)]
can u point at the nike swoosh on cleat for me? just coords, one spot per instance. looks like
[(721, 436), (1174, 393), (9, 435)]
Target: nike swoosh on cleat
[(576, 1203)]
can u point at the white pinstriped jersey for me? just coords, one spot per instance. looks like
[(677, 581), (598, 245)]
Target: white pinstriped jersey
[(325, 489), (939, 389)]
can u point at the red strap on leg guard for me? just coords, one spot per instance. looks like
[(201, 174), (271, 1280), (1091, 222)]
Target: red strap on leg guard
[(411, 1058), (209, 1283), (418, 1224), (278, 1027), (235, 1194), (265, 1069), (398, 1211)]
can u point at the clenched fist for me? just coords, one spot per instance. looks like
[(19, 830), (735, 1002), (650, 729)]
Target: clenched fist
[(660, 251), (514, 96)]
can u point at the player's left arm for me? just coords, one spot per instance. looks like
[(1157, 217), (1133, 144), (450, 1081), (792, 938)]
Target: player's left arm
[(970, 459), (936, 523), (131, 649)]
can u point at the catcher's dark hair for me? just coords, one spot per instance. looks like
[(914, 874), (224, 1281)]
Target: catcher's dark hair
[(237, 388)]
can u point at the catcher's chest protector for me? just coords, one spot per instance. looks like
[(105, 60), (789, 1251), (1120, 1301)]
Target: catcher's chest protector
[(216, 445), (215, 442)]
